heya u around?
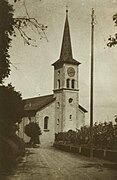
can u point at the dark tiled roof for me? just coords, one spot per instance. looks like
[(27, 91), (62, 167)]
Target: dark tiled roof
[(29, 113), (35, 104), (60, 62), (38, 103)]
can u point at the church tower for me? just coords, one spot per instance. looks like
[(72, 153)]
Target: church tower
[(66, 88)]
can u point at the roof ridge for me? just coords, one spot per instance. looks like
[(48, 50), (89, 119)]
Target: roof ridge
[(39, 97)]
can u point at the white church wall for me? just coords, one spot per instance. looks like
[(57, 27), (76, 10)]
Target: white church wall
[(59, 75), (70, 110), (48, 134), (81, 119), (59, 112)]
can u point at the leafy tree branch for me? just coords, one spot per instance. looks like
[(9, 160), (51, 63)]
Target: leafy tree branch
[(113, 39)]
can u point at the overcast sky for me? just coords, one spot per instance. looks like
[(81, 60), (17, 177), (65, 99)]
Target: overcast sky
[(34, 73)]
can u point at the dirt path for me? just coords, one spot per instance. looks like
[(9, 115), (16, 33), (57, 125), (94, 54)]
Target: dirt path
[(52, 164)]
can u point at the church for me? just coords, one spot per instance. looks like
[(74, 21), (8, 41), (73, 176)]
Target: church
[(60, 111)]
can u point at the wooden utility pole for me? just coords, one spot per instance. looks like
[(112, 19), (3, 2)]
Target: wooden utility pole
[(91, 85)]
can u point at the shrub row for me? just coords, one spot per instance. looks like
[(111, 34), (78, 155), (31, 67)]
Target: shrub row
[(104, 136)]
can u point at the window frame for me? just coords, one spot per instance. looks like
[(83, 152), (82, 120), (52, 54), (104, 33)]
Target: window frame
[(68, 83), (46, 118), (73, 83)]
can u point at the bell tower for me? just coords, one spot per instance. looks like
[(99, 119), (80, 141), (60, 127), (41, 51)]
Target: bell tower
[(66, 88)]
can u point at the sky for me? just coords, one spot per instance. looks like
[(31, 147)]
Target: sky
[(34, 73)]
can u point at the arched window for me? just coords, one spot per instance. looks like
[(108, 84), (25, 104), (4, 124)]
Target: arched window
[(46, 122), (73, 83), (58, 84), (68, 83)]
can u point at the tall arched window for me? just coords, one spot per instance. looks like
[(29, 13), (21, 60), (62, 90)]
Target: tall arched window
[(73, 83), (46, 122), (68, 83), (58, 83)]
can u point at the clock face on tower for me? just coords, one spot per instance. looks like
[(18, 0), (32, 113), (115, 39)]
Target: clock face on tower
[(71, 71)]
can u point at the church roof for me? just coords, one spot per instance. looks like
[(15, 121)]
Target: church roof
[(37, 103), (83, 109), (66, 49), (32, 105)]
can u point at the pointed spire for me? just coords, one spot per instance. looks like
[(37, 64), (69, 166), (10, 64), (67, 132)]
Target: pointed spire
[(66, 49)]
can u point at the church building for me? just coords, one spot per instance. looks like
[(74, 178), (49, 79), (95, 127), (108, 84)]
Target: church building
[(60, 111)]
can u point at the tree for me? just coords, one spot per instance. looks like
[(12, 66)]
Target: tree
[(6, 29), (11, 105), (26, 21), (113, 39), (8, 26), (33, 131)]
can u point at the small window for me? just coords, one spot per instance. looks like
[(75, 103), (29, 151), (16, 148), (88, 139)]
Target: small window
[(58, 72), (57, 121), (46, 122), (68, 83), (58, 83), (70, 117), (73, 83), (70, 100), (58, 105)]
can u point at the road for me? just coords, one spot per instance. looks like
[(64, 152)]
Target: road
[(48, 163)]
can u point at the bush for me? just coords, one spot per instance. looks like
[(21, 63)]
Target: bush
[(104, 136), (32, 129)]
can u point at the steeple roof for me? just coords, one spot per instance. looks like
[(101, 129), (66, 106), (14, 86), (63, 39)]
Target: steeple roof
[(66, 49)]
